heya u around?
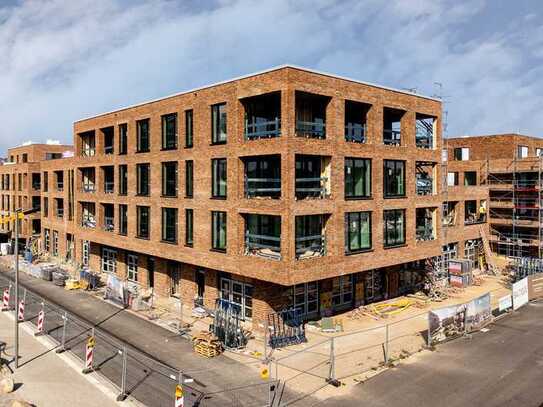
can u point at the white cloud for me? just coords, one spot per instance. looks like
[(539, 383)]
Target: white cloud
[(65, 59)]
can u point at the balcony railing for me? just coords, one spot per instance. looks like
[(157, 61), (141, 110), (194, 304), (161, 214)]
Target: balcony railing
[(355, 133), (267, 129), (89, 223), (310, 129), (36, 186), (270, 187), (424, 141), (109, 224), (263, 246), (60, 186), (109, 187), (60, 213), (392, 137), (89, 188), (311, 187), (473, 219), (425, 186), (88, 152), (310, 246), (424, 234), (108, 149)]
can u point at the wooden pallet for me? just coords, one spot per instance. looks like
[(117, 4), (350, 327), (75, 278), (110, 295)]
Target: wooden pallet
[(208, 351)]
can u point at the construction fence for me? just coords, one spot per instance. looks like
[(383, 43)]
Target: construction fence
[(361, 353)]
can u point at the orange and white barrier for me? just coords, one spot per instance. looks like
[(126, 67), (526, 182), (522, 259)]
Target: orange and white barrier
[(89, 354), (41, 320), (179, 396), (5, 299), (21, 313)]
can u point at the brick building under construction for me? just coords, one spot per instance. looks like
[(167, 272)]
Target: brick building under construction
[(285, 188)]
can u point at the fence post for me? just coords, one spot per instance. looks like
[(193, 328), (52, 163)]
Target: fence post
[(270, 379), (63, 342), (332, 375), (122, 395), (386, 344)]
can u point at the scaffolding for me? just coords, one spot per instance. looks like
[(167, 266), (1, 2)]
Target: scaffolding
[(520, 192)]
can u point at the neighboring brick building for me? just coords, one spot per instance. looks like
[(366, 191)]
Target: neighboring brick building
[(21, 183), (283, 188), (509, 166)]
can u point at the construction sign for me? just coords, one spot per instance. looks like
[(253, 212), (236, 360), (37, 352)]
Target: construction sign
[(179, 397), (91, 342), (265, 373)]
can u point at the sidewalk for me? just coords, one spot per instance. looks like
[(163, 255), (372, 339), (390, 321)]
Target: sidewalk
[(45, 379)]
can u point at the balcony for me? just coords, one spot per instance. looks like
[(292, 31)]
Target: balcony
[(60, 186), (392, 124), (310, 237), (425, 219), (109, 187), (311, 115), (60, 213), (36, 186), (262, 116), (88, 223), (392, 137), (355, 121), (263, 129), (263, 246), (311, 176), (424, 177), (424, 133), (263, 176), (88, 188)]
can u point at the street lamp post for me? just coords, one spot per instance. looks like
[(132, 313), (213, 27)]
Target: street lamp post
[(19, 214)]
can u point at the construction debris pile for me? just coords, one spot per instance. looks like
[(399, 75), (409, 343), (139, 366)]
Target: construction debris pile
[(206, 344)]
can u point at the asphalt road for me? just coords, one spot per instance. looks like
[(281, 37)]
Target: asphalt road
[(155, 355), (501, 367)]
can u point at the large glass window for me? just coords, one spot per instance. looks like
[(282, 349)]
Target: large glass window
[(169, 131), (218, 230), (132, 267), (189, 128), (357, 178), (470, 178), (142, 136), (143, 175), (218, 123), (123, 138), (169, 179), (143, 213), (394, 227), (357, 232), (189, 227), (123, 179), (219, 174), (394, 178), (189, 178), (123, 219), (169, 225)]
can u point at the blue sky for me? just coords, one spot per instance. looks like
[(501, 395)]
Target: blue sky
[(62, 60)]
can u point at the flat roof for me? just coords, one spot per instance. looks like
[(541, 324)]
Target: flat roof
[(493, 135), (275, 68)]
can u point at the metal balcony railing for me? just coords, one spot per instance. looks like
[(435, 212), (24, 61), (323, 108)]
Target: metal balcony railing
[(425, 186), (109, 224), (311, 187), (392, 137), (108, 149), (60, 213), (424, 141), (60, 186), (255, 187), (109, 187), (89, 223), (355, 133), (88, 152), (89, 188), (36, 186), (310, 129), (267, 129), (424, 233), (263, 246), (473, 219), (310, 246)]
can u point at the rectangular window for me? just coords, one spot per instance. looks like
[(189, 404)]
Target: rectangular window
[(310, 236), (132, 267), (461, 154), (218, 230), (169, 179), (109, 260), (357, 232), (522, 151), (189, 128), (45, 207), (123, 138), (394, 182), (45, 182), (123, 179), (470, 178), (452, 179), (169, 131), (218, 123), (169, 225), (357, 178), (142, 136), (123, 220), (189, 178), (143, 175), (218, 170), (46, 240), (394, 227), (55, 243), (143, 221), (189, 227)]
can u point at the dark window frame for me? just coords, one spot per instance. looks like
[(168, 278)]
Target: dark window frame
[(189, 179), (219, 218), (219, 178), (142, 147), (140, 209), (169, 214), (169, 135), (123, 219), (189, 227), (390, 182), (357, 217), (386, 238), (139, 183), (167, 183), (189, 128), (123, 138), (219, 122), (350, 194)]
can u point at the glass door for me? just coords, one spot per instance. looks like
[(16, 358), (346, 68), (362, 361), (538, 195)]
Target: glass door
[(240, 295)]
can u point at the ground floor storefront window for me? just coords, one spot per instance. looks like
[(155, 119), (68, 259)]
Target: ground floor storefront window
[(239, 294), (109, 260), (306, 299)]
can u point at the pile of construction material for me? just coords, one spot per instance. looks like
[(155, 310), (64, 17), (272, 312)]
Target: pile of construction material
[(383, 309), (206, 344)]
